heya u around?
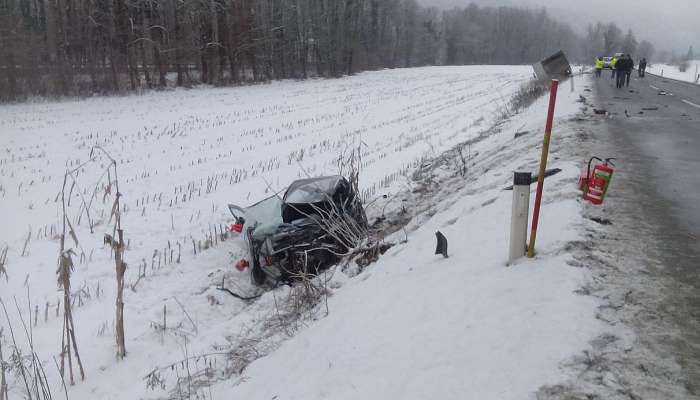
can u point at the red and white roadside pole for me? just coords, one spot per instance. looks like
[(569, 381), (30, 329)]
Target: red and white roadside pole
[(543, 167)]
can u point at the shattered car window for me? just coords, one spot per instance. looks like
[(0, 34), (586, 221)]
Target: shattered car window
[(265, 215)]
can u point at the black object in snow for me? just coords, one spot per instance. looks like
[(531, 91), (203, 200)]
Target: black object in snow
[(534, 178), (441, 244)]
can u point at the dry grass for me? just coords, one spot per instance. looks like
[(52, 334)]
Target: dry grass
[(24, 364), (528, 93), (3, 263), (3, 368), (192, 376)]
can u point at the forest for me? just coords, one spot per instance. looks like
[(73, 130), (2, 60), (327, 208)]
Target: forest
[(86, 47)]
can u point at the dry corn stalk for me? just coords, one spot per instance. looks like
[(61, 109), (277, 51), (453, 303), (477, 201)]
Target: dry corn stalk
[(120, 270), (69, 346), (116, 240)]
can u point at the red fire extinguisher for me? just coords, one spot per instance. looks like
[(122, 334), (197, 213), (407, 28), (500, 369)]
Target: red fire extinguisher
[(595, 183)]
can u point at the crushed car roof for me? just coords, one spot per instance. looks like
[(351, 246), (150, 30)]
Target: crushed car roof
[(313, 190)]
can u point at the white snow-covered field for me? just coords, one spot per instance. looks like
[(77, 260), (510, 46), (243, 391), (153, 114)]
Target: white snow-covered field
[(672, 71), (410, 326)]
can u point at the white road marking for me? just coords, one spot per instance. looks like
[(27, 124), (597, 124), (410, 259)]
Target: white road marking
[(690, 103), (653, 87)]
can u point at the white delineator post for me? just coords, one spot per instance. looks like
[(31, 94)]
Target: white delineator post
[(519, 215)]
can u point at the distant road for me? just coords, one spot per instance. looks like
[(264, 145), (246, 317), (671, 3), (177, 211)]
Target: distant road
[(654, 132)]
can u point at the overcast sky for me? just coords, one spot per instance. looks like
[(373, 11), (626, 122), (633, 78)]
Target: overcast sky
[(668, 23)]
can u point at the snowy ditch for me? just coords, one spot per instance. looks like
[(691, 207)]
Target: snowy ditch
[(409, 326)]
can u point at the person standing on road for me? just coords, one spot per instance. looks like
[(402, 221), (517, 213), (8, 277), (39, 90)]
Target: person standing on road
[(629, 66), (623, 69), (613, 67), (619, 72), (599, 64), (642, 67)]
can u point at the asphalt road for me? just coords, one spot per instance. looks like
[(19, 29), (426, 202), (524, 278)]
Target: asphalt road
[(661, 118), (653, 129)]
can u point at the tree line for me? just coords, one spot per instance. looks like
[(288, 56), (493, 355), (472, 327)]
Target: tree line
[(83, 47), (608, 39)]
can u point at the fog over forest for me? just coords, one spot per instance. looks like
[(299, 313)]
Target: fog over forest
[(111, 46), (669, 25)]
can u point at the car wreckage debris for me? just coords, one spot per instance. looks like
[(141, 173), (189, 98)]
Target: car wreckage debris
[(316, 223), (223, 288), (441, 247)]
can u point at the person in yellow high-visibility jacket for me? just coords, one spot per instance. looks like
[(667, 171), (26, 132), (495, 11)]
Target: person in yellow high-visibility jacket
[(599, 65), (613, 64)]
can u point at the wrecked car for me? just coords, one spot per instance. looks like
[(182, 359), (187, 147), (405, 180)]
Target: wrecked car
[(315, 223)]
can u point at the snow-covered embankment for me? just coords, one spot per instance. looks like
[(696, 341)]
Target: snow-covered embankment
[(417, 326)]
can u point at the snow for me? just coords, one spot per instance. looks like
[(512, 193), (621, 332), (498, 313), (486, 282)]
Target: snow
[(412, 325), (672, 71), (418, 326)]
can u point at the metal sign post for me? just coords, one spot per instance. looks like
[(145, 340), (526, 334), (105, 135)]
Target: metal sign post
[(543, 166)]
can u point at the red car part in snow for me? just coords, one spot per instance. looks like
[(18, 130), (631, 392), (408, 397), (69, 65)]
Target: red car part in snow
[(242, 264)]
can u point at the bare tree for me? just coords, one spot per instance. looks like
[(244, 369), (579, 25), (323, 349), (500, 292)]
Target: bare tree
[(612, 37), (629, 43), (62, 47), (645, 49)]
